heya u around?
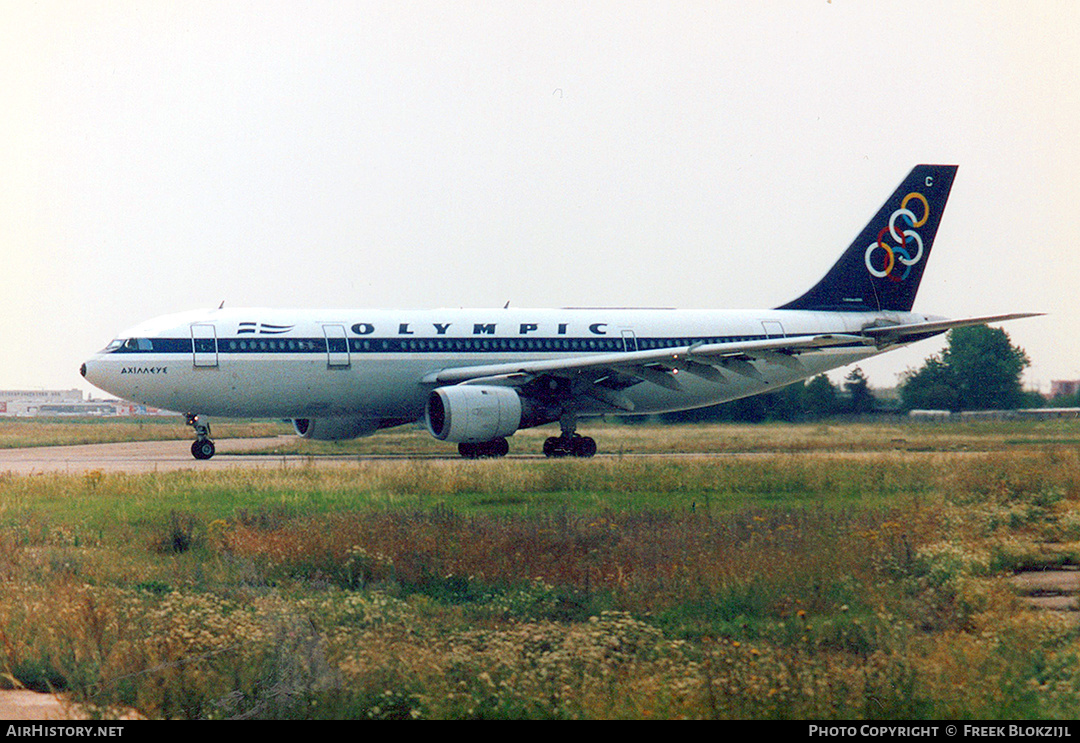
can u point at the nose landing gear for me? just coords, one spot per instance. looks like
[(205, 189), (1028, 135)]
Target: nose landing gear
[(203, 446)]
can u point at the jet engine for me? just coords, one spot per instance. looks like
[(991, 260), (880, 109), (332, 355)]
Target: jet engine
[(474, 413), (334, 429)]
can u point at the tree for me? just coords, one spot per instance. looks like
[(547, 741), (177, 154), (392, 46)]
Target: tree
[(820, 398), (1071, 400), (978, 370), (817, 398), (987, 368), (857, 387), (930, 388)]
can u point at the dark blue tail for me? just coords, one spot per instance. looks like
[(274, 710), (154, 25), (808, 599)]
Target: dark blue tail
[(883, 267)]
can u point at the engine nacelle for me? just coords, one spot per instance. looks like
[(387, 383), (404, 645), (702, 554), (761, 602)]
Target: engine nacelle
[(470, 414), (334, 429)]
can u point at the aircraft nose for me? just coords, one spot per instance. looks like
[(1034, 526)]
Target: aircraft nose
[(89, 371), (97, 372)]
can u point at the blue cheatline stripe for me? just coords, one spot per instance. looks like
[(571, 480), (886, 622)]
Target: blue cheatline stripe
[(561, 344)]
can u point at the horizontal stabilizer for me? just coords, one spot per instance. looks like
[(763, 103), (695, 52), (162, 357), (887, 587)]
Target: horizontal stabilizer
[(915, 331)]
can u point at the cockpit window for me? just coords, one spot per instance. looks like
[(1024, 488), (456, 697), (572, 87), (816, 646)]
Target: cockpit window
[(129, 345)]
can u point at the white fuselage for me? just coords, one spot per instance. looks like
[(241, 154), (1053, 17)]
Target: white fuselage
[(372, 364)]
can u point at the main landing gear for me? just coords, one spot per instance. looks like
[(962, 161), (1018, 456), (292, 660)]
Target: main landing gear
[(486, 449), (203, 446), (569, 444), (574, 445)]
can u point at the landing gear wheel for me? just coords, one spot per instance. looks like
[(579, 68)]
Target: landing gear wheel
[(202, 449), (583, 446), (495, 448), (570, 446), (500, 447)]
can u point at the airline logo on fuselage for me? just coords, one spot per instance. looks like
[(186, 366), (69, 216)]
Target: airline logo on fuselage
[(263, 328)]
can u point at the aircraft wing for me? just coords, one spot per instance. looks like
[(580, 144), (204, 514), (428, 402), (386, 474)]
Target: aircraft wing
[(602, 372), (603, 375)]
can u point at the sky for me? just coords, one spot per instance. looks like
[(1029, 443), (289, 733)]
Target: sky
[(160, 156)]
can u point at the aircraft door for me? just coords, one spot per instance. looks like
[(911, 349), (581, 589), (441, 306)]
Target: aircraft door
[(204, 345), (773, 329), (337, 347), (629, 341)]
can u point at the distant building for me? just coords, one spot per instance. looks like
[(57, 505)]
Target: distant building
[(929, 415), (48, 396), (1063, 387), (1021, 414), (31, 403)]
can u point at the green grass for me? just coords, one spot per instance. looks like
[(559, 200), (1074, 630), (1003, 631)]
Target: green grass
[(802, 580)]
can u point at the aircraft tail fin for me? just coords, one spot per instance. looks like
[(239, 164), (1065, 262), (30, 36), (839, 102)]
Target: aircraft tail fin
[(882, 269)]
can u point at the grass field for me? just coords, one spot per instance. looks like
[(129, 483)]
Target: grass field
[(22, 432), (613, 438), (835, 571)]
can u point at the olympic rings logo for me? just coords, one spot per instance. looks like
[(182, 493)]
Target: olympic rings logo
[(906, 238)]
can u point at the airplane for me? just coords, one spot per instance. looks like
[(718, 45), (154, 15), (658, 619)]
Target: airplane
[(476, 376)]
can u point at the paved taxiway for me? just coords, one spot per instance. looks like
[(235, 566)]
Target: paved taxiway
[(169, 456), (140, 456)]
